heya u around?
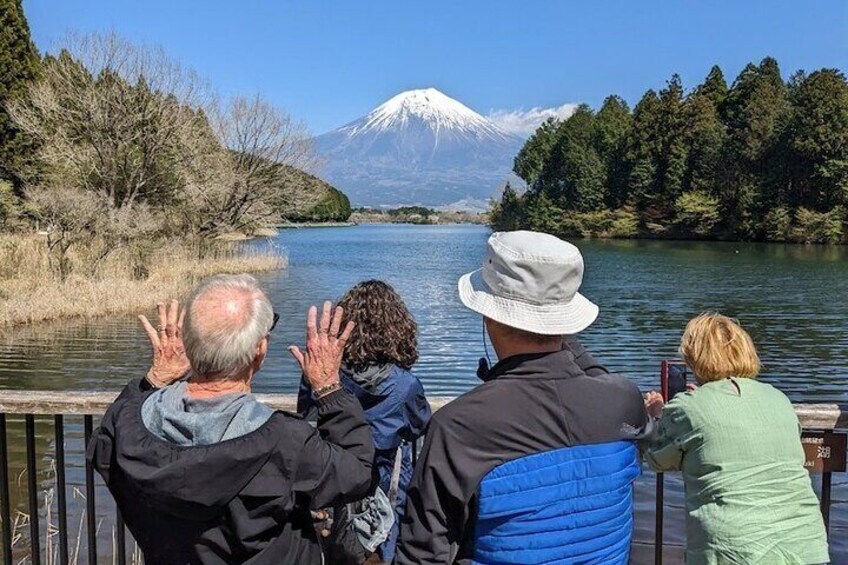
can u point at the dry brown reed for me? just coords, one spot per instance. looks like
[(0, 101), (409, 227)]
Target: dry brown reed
[(120, 283)]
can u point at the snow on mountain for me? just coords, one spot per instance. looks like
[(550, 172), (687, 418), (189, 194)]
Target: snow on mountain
[(419, 147), (428, 108)]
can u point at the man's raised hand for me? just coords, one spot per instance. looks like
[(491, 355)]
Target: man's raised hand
[(322, 359), (169, 358)]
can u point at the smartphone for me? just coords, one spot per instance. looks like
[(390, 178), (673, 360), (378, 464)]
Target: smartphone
[(674, 377)]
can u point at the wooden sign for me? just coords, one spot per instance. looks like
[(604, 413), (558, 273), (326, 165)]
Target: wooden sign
[(825, 452)]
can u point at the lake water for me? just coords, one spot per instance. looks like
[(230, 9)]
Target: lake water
[(791, 298)]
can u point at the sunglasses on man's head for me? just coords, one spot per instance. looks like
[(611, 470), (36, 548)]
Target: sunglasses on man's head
[(274, 323)]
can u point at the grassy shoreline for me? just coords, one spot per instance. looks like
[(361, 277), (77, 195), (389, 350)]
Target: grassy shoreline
[(30, 293)]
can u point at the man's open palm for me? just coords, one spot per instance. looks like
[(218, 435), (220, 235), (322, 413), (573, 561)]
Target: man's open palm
[(322, 359), (169, 357)]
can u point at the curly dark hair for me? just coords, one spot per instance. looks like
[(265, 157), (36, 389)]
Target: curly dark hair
[(385, 330)]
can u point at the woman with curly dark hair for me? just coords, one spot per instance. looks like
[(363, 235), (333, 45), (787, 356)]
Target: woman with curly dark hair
[(376, 368)]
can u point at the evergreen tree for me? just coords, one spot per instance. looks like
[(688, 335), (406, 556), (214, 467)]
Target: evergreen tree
[(508, 214), (672, 147), (543, 214), (642, 152), (819, 144), (704, 139), (754, 107), (535, 152), (18, 66), (612, 125), (574, 176), (714, 87), (757, 111)]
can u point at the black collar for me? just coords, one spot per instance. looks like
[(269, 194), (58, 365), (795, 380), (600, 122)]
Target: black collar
[(548, 364)]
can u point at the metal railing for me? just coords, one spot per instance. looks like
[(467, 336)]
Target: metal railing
[(86, 405)]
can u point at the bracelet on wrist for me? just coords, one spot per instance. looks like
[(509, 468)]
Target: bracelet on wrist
[(327, 389)]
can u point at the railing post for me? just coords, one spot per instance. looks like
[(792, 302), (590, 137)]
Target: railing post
[(32, 487), (658, 524), (89, 495), (61, 498), (825, 499), (121, 537), (5, 510)]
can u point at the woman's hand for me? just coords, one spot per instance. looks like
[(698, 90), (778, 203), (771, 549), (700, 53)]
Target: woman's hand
[(654, 404), (169, 358), (322, 359)]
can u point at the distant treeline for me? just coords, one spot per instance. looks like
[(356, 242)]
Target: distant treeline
[(765, 159), (333, 205), (414, 215)]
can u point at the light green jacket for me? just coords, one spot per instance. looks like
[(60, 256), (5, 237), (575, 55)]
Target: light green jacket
[(749, 499)]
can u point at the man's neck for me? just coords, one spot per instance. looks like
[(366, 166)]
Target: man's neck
[(211, 388), (511, 349)]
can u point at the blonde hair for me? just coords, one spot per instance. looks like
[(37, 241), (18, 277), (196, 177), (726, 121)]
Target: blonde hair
[(716, 347)]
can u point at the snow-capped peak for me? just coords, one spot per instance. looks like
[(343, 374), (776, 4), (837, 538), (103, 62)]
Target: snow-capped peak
[(428, 107)]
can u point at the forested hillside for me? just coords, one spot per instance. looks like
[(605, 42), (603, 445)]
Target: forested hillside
[(762, 159)]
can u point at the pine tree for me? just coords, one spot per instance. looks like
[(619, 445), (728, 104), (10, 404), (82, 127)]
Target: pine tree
[(757, 111), (714, 87), (508, 214), (574, 177), (672, 150), (612, 125), (754, 106), (819, 143), (642, 152), (543, 215), (18, 66), (705, 136), (535, 152)]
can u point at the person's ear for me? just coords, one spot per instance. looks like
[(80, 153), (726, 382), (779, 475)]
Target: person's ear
[(261, 352)]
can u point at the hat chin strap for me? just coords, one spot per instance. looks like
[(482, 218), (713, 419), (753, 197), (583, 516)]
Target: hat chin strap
[(484, 363)]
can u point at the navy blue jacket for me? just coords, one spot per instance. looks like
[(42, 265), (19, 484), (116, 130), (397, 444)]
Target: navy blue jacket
[(398, 413)]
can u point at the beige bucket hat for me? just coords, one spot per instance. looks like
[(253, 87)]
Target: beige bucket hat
[(529, 281)]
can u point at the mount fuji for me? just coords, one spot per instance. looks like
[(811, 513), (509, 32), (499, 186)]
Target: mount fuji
[(421, 147)]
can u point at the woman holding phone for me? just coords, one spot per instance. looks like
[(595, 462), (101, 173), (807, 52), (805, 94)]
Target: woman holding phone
[(749, 498)]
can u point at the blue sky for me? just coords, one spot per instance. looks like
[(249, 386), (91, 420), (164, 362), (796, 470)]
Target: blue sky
[(327, 62)]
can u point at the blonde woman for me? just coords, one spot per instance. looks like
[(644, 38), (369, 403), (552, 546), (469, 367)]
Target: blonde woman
[(748, 497)]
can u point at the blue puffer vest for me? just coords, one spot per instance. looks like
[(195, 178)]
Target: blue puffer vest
[(570, 505)]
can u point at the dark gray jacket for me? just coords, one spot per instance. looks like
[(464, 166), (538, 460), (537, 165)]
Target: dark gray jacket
[(242, 500)]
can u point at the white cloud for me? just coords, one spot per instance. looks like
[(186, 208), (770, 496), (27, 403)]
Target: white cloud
[(525, 122)]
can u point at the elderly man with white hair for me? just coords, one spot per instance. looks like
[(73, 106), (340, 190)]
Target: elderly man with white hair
[(204, 473)]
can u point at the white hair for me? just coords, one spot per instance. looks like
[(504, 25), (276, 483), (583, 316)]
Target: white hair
[(220, 351)]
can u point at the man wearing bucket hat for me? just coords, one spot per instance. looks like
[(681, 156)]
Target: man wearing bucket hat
[(535, 465)]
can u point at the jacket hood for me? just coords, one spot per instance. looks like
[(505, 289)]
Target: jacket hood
[(174, 416), (194, 481), (371, 377)]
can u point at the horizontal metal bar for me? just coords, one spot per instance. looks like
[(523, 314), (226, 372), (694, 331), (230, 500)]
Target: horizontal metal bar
[(44, 402), (80, 403)]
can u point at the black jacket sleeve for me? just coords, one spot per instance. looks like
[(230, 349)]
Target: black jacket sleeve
[(436, 509), (334, 464), (100, 449)]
